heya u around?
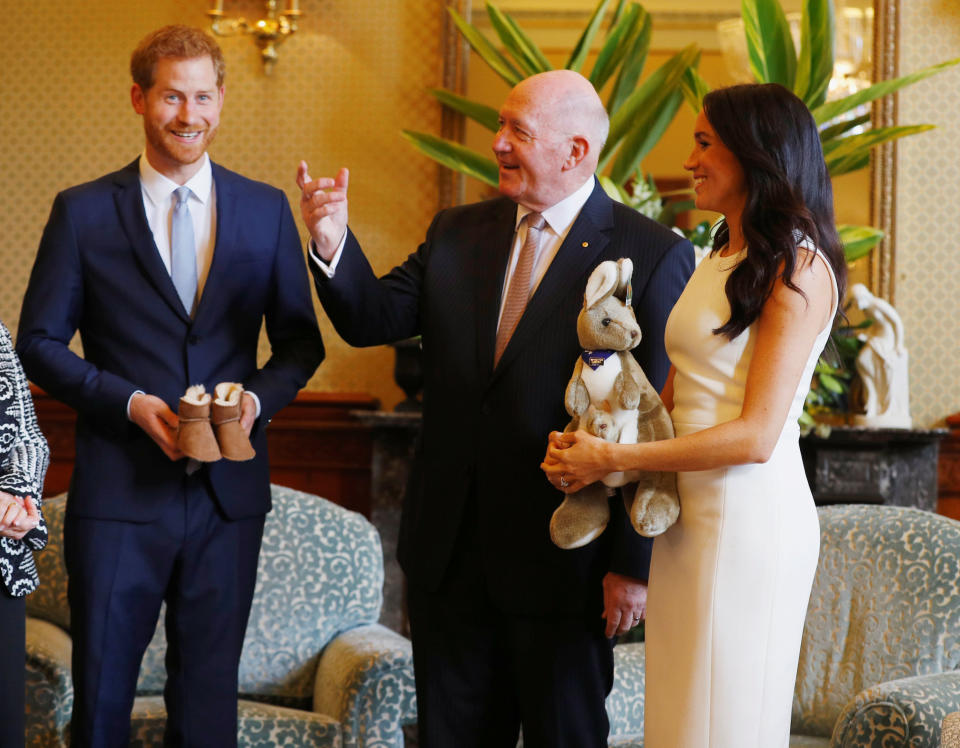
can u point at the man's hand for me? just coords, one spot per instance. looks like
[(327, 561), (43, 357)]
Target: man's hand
[(154, 416), (248, 412), (17, 516), (624, 603), (323, 205)]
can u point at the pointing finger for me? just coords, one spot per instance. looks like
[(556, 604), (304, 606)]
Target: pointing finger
[(302, 175)]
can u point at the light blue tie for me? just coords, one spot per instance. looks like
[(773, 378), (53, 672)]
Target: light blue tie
[(183, 251)]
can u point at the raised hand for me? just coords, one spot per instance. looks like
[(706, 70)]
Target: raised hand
[(323, 205)]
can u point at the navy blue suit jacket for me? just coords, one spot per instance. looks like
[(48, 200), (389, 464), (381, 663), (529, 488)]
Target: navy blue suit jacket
[(98, 271), (484, 429)]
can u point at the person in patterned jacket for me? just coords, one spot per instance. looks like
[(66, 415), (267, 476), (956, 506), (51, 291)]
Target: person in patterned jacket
[(24, 456)]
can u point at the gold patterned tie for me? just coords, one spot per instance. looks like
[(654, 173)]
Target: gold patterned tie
[(519, 291)]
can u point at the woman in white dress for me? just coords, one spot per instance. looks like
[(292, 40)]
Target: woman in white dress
[(730, 581)]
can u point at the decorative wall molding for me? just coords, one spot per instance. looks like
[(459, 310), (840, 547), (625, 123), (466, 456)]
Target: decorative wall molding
[(558, 29)]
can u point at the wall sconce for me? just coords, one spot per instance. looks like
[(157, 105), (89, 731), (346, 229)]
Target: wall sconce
[(268, 33)]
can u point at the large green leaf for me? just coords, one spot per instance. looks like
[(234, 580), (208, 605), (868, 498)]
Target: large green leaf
[(642, 107), (672, 209), (773, 58), (517, 43), (858, 241), (850, 163), (529, 44), (815, 66), (616, 46), (632, 65), (615, 16), (483, 47), (828, 134), (614, 191), (831, 109), (644, 135), (582, 47), (455, 156), (694, 87), (853, 152), (479, 113)]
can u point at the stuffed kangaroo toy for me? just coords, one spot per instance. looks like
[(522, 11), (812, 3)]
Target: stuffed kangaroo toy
[(609, 396)]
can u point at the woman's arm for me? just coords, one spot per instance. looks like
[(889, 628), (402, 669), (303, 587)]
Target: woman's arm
[(786, 331), (24, 465)]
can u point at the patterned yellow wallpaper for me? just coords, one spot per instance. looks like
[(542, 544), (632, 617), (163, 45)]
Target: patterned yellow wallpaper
[(927, 243), (345, 84)]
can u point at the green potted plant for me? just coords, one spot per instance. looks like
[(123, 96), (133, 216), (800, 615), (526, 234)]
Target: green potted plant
[(641, 111), (847, 144)]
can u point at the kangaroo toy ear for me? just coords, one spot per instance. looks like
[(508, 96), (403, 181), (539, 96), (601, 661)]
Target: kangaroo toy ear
[(624, 288), (601, 283)]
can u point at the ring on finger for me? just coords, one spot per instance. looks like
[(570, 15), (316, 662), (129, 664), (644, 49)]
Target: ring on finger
[(564, 483)]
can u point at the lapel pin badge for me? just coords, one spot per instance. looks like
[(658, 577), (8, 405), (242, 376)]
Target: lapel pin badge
[(585, 245)]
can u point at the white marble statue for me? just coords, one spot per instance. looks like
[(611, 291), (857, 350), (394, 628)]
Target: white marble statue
[(882, 364)]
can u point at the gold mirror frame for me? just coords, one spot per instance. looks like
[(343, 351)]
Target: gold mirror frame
[(456, 55), (882, 261), (883, 193)]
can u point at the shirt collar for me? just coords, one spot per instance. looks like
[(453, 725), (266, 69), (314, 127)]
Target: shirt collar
[(159, 188), (561, 216)]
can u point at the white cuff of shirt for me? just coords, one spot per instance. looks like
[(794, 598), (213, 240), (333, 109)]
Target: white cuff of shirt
[(141, 392), (130, 400), (327, 268), (255, 399)]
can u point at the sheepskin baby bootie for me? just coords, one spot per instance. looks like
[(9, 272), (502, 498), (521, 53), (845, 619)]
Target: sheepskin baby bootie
[(194, 433), (234, 442)]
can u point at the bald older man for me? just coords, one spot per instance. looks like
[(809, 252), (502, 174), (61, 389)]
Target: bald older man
[(508, 630)]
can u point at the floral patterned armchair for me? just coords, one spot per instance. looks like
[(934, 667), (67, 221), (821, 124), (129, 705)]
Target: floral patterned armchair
[(316, 669), (880, 659)]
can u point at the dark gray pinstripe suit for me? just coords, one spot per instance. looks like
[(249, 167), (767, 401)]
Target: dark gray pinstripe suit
[(484, 430)]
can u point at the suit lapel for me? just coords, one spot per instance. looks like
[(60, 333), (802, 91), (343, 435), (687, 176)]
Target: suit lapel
[(586, 239), (225, 239), (491, 252), (129, 200)]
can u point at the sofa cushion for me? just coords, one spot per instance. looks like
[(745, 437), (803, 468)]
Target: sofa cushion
[(885, 605)]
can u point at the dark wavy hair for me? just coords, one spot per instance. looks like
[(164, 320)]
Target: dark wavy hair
[(775, 139)]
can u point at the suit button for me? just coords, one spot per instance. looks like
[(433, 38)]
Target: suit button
[(485, 409), (193, 339)]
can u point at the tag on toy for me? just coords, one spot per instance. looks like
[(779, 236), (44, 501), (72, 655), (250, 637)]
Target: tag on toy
[(595, 359)]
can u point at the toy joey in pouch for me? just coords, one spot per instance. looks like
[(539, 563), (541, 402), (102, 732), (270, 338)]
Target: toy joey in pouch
[(610, 397)]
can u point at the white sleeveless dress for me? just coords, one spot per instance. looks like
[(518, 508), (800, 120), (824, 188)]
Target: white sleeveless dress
[(730, 581)]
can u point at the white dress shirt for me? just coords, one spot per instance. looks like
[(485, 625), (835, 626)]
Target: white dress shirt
[(158, 203), (559, 219)]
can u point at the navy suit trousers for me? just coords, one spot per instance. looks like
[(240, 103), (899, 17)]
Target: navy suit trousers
[(483, 673), (204, 567)]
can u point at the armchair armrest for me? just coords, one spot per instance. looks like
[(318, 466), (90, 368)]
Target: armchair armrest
[(625, 702), (365, 680), (905, 712), (49, 686)]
